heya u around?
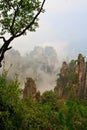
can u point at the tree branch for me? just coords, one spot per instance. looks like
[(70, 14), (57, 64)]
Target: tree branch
[(3, 38), (15, 14), (9, 48), (13, 21), (32, 22), (5, 48)]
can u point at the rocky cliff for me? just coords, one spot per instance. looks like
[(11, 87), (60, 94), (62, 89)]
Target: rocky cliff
[(30, 89), (72, 80)]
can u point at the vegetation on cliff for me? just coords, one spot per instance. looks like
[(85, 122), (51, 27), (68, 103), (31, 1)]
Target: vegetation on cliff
[(72, 79)]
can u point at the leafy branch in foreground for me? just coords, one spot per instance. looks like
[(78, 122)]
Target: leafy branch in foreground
[(16, 17)]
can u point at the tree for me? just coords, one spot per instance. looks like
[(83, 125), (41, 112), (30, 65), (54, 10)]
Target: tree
[(16, 17), (51, 99), (10, 103)]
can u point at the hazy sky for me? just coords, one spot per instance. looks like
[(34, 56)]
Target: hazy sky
[(63, 25)]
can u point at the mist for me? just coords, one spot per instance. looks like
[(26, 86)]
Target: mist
[(41, 63)]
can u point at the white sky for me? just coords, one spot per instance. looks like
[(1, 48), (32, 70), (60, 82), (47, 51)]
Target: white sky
[(63, 25)]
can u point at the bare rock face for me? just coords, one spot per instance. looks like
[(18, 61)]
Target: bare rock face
[(81, 70), (64, 76), (30, 88), (64, 69), (80, 67)]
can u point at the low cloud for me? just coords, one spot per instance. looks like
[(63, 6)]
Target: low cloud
[(60, 47)]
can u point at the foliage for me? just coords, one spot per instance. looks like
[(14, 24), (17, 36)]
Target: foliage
[(16, 15), (9, 102), (50, 113), (51, 99)]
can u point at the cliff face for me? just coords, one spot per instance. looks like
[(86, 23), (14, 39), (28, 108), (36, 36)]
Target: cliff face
[(73, 74), (30, 88), (81, 70), (62, 81)]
